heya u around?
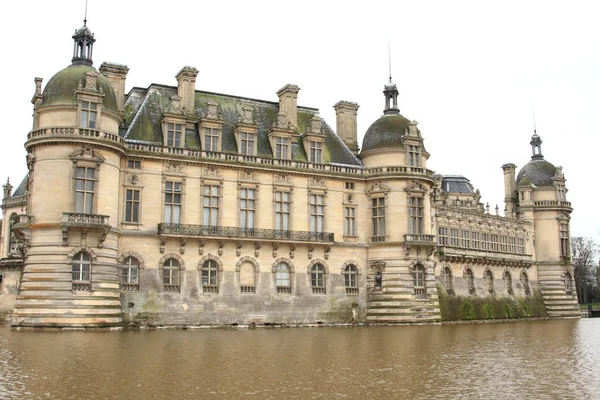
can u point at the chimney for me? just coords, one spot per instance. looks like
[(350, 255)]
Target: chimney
[(509, 189), (288, 102), (186, 88), (345, 112), (116, 74)]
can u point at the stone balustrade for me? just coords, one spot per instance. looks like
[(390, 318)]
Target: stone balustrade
[(75, 132), (81, 220)]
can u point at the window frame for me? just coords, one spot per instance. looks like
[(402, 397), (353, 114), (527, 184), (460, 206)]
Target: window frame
[(317, 278), (282, 216), (351, 273), (378, 218), (126, 265), (135, 217), (81, 264), (317, 205), (416, 210), (315, 151), (211, 203), (174, 205), (88, 112), (277, 279), (86, 193)]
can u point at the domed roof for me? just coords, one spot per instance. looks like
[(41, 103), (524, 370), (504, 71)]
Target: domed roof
[(84, 30), (60, 89), (387, 131), (538, 171)]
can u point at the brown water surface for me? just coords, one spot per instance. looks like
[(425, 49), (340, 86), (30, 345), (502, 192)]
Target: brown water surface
[(528, 360)]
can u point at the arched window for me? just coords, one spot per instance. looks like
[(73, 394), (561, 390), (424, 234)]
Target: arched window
[(210, 278), (170, 272), (247, 278), (82, 272), (489, 281), (568, 284), (282, 278), (351, 279), (470, 279), (525, 283), (317, 279), (130, 274), (508, 282), (419, 280), (447, 281)]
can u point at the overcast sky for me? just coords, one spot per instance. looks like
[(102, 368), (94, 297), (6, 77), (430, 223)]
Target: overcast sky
[(468, 71)]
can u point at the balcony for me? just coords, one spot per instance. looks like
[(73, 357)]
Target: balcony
[(553, 205), (419, 239), (458, 254), (84, 222), (243, 233), (72, 132)]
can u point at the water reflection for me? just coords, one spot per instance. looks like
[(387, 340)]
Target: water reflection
[(533, 360)]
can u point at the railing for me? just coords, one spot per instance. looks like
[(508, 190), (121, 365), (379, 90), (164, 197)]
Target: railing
[(82, 286), (318, 290), (552, 203), (167, 287), (352, 290), (461, 251), (84, 220), (378, 239), (210, 288), (235, 232), (247, 289), (420, 239), (22, 220), (129, 287), (13, 201), (66, 131), (284, 289), (269, 161)]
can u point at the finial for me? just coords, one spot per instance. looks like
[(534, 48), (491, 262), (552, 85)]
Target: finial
[(487, 207), (389, 60), (85, 16), (534, 127)]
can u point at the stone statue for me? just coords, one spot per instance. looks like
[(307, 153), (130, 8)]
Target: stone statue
[(378, 279)]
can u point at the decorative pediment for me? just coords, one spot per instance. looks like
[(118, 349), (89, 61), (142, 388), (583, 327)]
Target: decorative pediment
[(247, 115), (377, 265), (563, 217), (377, 187), (211, 170), (212, 110), (87, 153), (173, 167), (412, 130), (282, 121), (317, 181), (558, 175), (175, 104), (282, 178), (415, 187), (247, 175)]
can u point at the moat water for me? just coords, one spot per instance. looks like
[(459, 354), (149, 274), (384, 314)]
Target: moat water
[(528, 360)]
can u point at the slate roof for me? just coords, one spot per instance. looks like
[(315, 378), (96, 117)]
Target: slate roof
[(22, 188), (456, 184), (387, 131), (145, 107), (538, 171)]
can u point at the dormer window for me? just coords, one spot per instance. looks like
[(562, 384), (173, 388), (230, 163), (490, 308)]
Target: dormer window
[(282, 148), (414, 156), (211, 139), (174, 134), (89, 114), (316, 152), (247, 143)]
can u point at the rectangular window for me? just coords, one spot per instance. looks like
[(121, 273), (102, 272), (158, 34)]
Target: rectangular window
[(174, 133), (210, 205), (466, 239), (132, 205), (134, 164), (521, 246), (378, 218), (246, 144), (415, 207), (349, 185), (503, 244), (172, 202), (349, 221), (485, 241), (282, 146), (512, 245), (414, 156), (84, 189), (247, 208), (211, 139), (454, 238), (317, 212), (443, 236), (564, 240), (494, 242), (561, 193), (475, 244), (89, 112), (282, 211), (316, 150)]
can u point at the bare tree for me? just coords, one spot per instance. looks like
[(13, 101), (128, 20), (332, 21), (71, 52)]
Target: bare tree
[(584, 251)]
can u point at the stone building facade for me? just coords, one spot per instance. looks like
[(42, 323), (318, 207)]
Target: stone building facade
[(179, 206)]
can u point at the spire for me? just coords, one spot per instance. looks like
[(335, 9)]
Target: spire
[(83, 44), (390, 91)]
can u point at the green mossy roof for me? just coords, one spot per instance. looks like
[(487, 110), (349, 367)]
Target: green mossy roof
[(60, 89), (387, 131), (538, 172), (148, 105)]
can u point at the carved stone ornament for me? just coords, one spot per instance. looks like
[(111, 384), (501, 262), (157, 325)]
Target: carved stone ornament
[(211, 170), (175, 105), (212, 110), (282, 120), (415, 187), (350, 197), (378, 187), (559, 173), (134, 179), (247, 115), (174, 167), (412, 129), (315, 124), (247, 175), (91, 79), (282, 178), (257, 248), (317, 181)]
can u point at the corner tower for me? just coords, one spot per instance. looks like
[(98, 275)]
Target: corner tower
[(70, 276)]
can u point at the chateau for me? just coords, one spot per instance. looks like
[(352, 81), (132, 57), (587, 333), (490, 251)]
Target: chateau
[(178, 206)]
